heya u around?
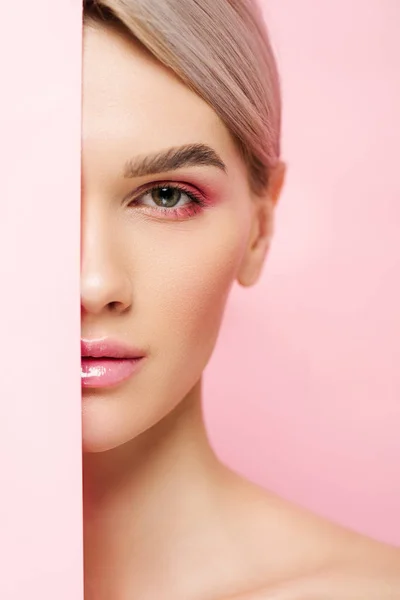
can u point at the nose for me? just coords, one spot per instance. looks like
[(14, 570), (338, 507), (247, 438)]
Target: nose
[(105, 283)]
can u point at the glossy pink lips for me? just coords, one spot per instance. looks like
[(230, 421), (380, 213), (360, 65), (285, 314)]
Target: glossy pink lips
[(105, 362)]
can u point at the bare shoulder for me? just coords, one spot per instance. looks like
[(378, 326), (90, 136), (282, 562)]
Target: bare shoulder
[(355, 567), (377, 579), (373, 575), (332, 586), (302, 556)]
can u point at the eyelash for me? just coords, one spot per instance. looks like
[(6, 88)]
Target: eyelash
[(198, 202)]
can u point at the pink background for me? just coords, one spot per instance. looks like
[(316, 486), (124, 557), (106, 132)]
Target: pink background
[(303, 393), (40, 448)]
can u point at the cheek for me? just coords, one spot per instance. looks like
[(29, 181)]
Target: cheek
[(193, 280)]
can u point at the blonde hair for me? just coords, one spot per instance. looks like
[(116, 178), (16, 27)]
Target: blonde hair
[(221, 50)]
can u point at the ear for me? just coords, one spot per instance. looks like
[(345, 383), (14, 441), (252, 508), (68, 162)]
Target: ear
[(261, 228)]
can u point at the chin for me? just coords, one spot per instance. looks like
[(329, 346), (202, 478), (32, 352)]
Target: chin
[(108, 424), (105, 425)]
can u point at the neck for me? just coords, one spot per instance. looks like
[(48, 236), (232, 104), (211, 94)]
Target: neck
[(141, 500)]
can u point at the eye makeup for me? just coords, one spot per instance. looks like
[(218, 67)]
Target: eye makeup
[(198, 201)]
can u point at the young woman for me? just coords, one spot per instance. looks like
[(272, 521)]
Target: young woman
[(181, 174)]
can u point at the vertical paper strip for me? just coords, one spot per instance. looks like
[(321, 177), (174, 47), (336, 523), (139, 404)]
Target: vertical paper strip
[(40, 440)]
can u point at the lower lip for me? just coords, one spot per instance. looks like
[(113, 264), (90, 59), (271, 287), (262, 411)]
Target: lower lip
[(106, 372)]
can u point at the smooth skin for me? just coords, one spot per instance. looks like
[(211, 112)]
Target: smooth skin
[(163, 518)]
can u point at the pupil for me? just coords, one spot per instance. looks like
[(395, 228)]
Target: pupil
[(166, 196)]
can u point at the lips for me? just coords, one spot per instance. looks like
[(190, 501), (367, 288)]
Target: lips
[(108, 348), (107, 362)]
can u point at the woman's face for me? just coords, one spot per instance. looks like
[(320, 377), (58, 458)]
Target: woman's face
[(157, 265)]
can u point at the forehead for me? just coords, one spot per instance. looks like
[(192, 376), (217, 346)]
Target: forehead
[(127, 93)]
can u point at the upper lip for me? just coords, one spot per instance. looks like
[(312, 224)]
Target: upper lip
[(108, 348)]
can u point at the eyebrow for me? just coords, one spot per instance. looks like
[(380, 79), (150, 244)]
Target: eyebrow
[(173, 159)]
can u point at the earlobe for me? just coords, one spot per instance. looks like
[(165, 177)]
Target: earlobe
[(262, 229)]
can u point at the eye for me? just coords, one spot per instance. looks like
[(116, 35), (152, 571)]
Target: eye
[(171, 201), (166, 196)]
